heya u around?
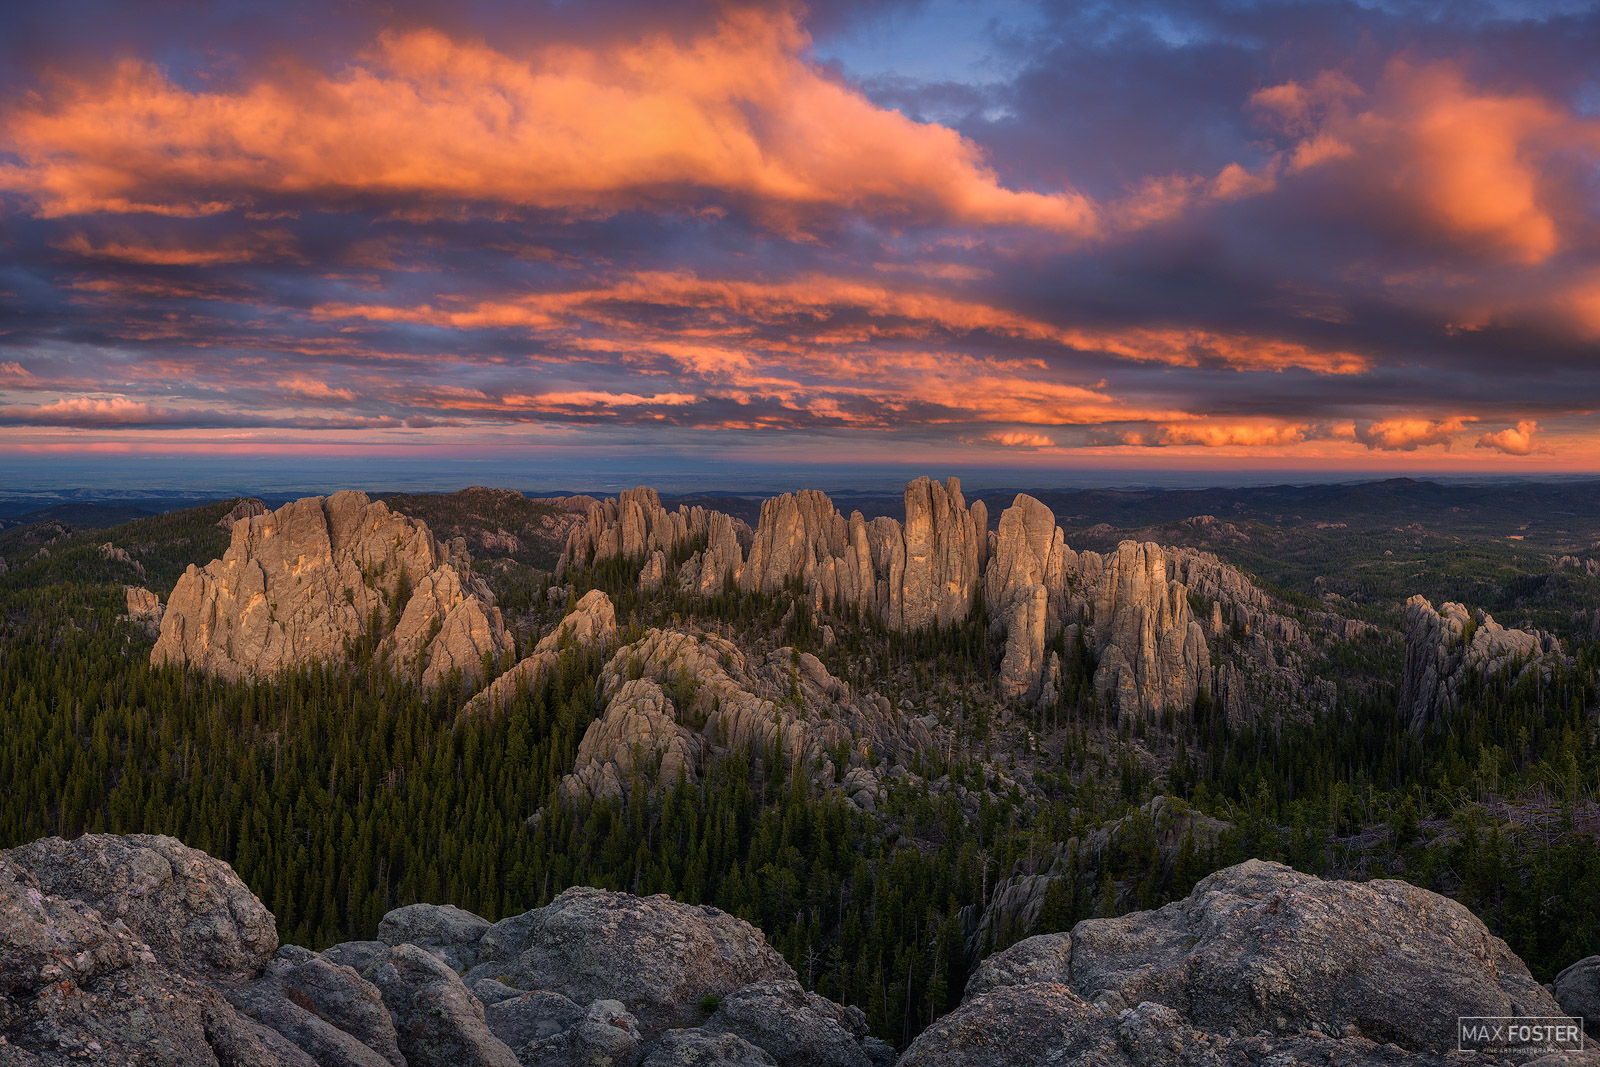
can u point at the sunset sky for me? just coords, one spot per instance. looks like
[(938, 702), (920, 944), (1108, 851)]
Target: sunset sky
[(1335, 235)]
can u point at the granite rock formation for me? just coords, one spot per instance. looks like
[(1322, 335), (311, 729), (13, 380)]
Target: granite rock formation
[(142, 608), (910, 576), (1129, 607), (247, 507), (140, 951), (592, 624), (301, 584), (1577, 990), (634, 525), (674, 699), (1315, 971), (1446, 647), (1132, 607), (97, 932)]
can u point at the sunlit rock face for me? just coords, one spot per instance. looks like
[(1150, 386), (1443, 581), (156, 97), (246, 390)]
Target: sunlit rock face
[(1132, 608), (1445, 648), (634, 525), (1127, 605), (305, 583)]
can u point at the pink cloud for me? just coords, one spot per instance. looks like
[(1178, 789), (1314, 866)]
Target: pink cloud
[(1513, 441)]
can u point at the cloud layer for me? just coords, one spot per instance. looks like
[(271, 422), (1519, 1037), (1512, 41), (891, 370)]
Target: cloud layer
[(1238, 230)]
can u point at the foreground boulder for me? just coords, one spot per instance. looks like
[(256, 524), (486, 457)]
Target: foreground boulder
[(1577, 989), (141, 951), (1259, 964), (305, 583), (112, 950), (189, 909)]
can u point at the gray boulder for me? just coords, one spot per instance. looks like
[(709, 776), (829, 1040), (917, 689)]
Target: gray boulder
[(529, 1018), (1577, 990), (607, 1035), (658, 957), (702, 1048), (326, 1044), (1325, 970), (1048, 1024), (76, 985), (438, 1022), (339, 996), (193, 911), (443, 929), (359, 956), (798, 1029)]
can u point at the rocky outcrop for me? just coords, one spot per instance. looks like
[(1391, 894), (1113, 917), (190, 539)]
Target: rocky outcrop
[(592, 624), (139, 950), (1316, 971), (1129, 606), (675, 699), (597, 977), (797, 1028), (142, 608), (302, 584), (113, 947), (1134, 610), (1046, 1024), (635, 525), (247, 508), (117, 554), (1028, 564), (1151, 653), (716, 567), (1577, 990), (1447, 647), (911, 576)]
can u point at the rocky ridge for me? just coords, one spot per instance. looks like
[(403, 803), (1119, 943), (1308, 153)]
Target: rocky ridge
[(301, 584), (1132, 607), (1446, 647), (675, 699), (635, 525), (592, 624)]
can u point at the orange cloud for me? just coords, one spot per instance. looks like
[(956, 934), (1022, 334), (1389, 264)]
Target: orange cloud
[(87, 410), (1429, 151), (1207, 433), (736, 116), (1410, 434), (1017, 440), (240, 248), (311, 389), (814, 300), (595, 400), (1513, 441)]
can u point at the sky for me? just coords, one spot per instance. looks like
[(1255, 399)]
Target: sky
[(1147, 235)]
